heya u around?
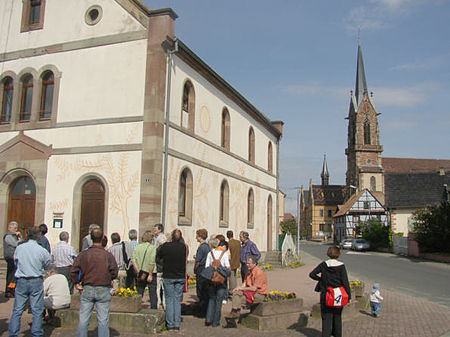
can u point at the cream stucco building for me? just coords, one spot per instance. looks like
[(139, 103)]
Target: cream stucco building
[(106, 117)]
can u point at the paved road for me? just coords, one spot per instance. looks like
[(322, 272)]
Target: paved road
[(410, 276)]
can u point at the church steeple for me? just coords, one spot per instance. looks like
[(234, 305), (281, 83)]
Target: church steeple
[(325, 175), (364, 167), (361, 84)]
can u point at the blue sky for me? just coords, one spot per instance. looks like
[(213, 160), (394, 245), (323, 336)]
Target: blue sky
[(295, 60)]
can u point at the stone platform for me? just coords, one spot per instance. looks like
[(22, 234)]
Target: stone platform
[(145, 321), (268, 316)]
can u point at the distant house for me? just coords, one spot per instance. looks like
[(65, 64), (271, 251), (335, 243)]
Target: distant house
[(319, 204), (361, 207), (408, 192)]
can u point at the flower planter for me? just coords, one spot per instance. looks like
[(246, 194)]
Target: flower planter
[(358, 290), (118, 303), (278, 307)]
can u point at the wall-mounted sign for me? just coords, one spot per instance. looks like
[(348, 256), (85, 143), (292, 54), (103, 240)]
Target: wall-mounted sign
[(57, 223)]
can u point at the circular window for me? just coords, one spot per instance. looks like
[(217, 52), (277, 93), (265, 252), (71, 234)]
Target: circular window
[(93, 15)]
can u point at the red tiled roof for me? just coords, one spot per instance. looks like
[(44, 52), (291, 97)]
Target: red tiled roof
[(414, 165), (288, 216)]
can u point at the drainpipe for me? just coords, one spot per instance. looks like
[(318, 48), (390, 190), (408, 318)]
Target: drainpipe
[(277, 225), (166, 133)]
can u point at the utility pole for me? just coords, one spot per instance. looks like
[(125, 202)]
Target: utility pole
[(298, 218)]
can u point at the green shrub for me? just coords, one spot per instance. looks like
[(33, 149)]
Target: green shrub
[(379, 235), (432, 228)]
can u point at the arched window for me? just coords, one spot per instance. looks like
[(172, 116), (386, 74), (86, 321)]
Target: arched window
[(185, 198), (367, 133), (224, 204), (188, 106), (48, 84), (7, 97), (373, 184), (270, 157), (26, 98), (251, 145), (250, 209), (225, 136)]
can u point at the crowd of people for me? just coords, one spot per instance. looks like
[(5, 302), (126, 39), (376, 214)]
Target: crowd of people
[(46, 278)]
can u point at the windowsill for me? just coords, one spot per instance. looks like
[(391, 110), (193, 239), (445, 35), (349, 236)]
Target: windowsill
[(250, 225), (223, 224), (184, 221)]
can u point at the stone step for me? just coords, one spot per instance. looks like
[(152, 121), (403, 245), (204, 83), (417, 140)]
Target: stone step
[(143, 322)]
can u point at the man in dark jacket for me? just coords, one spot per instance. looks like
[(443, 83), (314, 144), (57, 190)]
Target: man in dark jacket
[(92, 273), (173, 254), (200, 261), (10, 242)]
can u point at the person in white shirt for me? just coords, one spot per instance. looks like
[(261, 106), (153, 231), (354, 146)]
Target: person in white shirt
[(56, 292), (375, 300), (216, 293), (63, 256)]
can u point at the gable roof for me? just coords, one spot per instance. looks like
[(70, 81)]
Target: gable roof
[(414, 165), (328, 194), (343, 209), (414, 190)]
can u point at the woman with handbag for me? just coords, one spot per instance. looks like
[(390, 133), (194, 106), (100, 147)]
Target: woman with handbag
[(217, 292), (145, 267), (332, 278)]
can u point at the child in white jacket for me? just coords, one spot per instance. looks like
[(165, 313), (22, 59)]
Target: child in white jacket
[(375, 299)]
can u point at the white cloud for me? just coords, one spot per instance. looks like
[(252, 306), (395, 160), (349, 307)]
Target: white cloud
[(430, 63), (383, 96), (402, 97), (378, 14)]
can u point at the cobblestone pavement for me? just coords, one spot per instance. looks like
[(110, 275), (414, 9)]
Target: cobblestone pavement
[(401, 315)]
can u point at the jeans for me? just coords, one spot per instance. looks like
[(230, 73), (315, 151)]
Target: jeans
[(101, 297), (215, 294), (32, 289), (173, 291), (376, 307), (140, 287)]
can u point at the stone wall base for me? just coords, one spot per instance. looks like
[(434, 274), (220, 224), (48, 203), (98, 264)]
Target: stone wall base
[(145, 321), (284, 321)]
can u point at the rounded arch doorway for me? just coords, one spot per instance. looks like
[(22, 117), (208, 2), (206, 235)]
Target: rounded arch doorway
[(22, 203), (92, 206)]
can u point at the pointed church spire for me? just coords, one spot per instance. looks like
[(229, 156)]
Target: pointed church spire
[(361, 85), (325, 175)]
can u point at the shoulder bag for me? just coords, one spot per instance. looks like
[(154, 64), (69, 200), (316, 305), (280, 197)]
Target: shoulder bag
[(217, 278)]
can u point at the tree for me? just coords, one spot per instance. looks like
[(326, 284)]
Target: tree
[(374, 232), (432, 228), (289, 226)]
